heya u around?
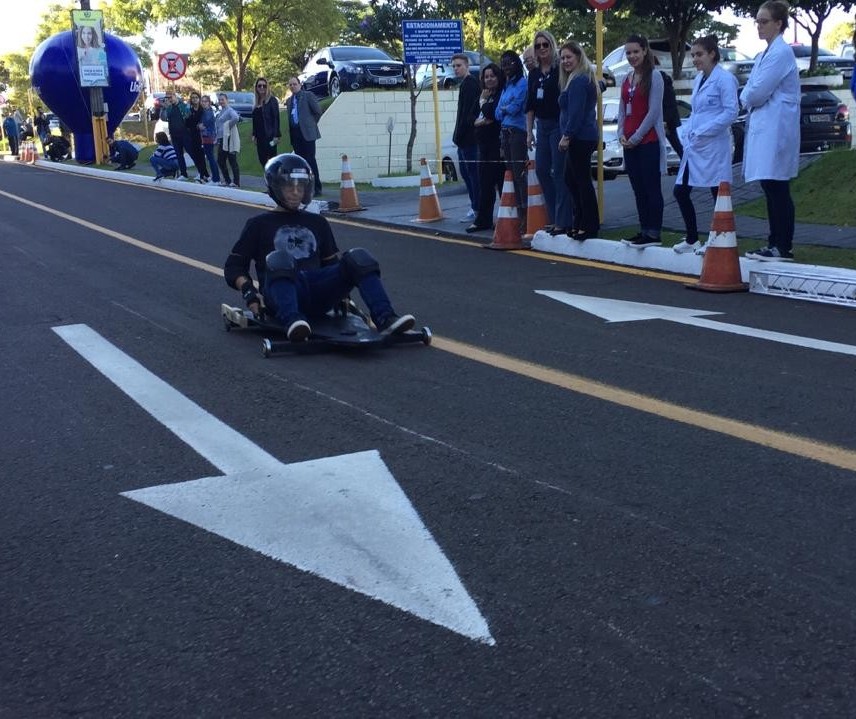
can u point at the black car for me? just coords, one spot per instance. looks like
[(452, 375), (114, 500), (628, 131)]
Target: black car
[(824, 123), (240, 102), (348, 67)]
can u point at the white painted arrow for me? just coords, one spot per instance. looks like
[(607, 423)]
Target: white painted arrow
[(343, 518), (622, 311)]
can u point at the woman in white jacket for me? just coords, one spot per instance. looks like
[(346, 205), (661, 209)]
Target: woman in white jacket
[(772, 96), (706, 136), (228, 142)]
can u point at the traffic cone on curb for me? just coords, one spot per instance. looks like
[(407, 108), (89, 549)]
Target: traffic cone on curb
[(34, 153), (24, 152), (536, 208), (348, 201), (506, 235), (429, 203), (720, 271)]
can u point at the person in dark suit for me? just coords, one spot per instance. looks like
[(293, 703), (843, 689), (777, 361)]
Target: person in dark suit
[(303, 113)]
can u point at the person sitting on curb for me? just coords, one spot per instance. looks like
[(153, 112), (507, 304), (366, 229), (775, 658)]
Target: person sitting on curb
[(123, 152), (164, 159), (297, 261)]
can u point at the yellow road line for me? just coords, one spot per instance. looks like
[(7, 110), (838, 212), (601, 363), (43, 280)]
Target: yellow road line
[(788, 443)]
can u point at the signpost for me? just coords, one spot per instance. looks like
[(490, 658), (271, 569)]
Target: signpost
[(599, 6), (430, 42), (172, 65), (93, 70)]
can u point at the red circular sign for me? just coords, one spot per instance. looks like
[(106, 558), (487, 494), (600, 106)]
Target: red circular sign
[(173, 66), (601, 4)]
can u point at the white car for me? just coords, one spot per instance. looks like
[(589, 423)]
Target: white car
[(617, 63)]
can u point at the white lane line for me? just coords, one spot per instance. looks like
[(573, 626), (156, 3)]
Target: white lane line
[(225, 448)]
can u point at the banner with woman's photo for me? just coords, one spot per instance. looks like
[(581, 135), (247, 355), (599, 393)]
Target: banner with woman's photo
[(88, 28)]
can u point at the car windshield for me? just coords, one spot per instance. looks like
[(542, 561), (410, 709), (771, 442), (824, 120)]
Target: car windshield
[(730, 54), (805, 50), (815, 97), (358, 53)]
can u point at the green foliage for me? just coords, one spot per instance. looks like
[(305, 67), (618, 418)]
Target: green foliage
[(840, 33)]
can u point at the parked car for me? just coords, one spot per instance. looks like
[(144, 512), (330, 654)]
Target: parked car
[(241, 102), (618, 66), (825, 58), (332, 70), (824, 123), (152, 105), (445, 74), (736, 63), (613, 152), (847, 50)]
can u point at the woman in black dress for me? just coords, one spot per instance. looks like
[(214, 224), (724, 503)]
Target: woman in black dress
[(491, 167), (266, 132)]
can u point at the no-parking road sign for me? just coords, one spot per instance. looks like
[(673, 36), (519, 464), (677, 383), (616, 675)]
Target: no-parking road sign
[(172, 65)]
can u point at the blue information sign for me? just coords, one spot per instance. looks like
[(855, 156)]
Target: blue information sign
[(428, 41)]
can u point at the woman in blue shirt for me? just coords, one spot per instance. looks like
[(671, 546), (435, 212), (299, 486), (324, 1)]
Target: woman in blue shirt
[(579, 138), (511, 114)]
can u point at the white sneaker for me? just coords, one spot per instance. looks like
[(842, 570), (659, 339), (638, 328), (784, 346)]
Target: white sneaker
[(232, 184), (683, 247), (701, 248), (222, 184), (469, 216)]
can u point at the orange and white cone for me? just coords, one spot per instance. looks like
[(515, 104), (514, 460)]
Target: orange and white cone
[(536, 208), (34, 153), (348, 201), (429, 203), (506, 235), (720, 271), (24, 152)]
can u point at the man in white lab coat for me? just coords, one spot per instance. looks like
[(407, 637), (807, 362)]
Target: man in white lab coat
[(771, 155)]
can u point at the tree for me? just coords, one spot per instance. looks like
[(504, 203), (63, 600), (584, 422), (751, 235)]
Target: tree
[(380, 25), (842, 32), (240, 26)]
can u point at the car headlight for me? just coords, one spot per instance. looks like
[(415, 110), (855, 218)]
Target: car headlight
[(354, 69)]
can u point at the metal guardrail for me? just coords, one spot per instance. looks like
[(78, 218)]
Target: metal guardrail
[(829, 289)]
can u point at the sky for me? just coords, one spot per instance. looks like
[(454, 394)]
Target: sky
[(20, 33), (14, 36)]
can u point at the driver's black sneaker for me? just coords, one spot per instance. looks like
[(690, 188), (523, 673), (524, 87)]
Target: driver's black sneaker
[(299, 331), (393, 324)]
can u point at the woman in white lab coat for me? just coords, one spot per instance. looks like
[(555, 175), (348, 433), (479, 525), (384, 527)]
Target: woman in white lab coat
[(771, 155), (706, 136)]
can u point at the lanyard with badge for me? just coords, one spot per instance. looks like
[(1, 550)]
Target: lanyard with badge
[(631, 91), (539, 93)]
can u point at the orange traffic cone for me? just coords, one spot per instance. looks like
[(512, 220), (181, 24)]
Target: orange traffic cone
[(34, 153), (429, 203), (506, 236), (23, 152), (536, 209), (720, 271), (348, 201)]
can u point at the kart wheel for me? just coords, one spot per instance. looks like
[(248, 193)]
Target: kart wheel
[(426, 336), (267, 348)]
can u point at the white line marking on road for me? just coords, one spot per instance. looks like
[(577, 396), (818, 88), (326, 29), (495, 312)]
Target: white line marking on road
[(342, 518), (623, 311)]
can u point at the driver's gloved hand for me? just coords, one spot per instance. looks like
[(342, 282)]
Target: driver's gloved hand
[(248, 292)]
